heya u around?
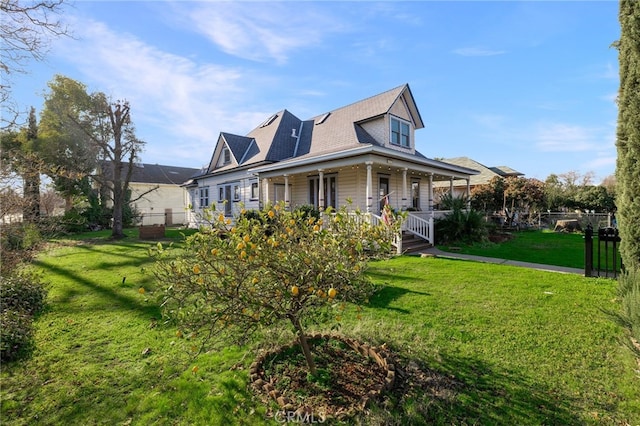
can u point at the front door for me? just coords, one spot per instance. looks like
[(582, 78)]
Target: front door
[(383, 191)]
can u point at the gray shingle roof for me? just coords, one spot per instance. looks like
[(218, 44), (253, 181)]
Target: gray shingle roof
[(155, 173), (486, 173), (281, 137)]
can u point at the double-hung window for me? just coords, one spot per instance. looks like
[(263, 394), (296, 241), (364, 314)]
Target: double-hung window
[(400, 133), (204, 197)]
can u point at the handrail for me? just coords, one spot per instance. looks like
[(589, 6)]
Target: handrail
[(419, 226)]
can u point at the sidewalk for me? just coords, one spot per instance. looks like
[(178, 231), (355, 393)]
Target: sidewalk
[(433, 251)]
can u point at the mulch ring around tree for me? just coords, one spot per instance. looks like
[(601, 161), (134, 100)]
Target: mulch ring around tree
[(349, 375)]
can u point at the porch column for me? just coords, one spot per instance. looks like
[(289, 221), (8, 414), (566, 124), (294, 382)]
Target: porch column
[(451, 187), (404, 189), (260, 201), (321, 190), (265, 190), (468, 194), (430, 191), (286, 192), (369, 189)]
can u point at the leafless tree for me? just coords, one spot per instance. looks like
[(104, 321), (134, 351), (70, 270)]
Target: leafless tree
[(26, 31)]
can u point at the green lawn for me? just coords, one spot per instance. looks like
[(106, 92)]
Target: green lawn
[(545, 247), (520, 347)]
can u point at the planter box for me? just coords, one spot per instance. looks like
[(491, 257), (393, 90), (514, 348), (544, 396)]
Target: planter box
[(152, 232)]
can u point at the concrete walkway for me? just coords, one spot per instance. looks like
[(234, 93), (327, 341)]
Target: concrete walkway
[(433, 251)]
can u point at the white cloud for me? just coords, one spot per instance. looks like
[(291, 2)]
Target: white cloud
[(263, 31), (561, 137), (189, 102), (477, 51)]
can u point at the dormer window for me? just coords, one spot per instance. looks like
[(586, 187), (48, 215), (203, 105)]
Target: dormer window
[(225, 156), (400, 133)]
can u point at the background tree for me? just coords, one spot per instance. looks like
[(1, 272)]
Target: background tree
[(267, 268), (96, 132), (628, 162), (70, 154), (489, 197), (20, 155), (26, 29), (116, 139), (596, 198)]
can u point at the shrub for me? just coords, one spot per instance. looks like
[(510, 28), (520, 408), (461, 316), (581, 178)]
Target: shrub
[(21, 297), (460, 226), (232, 279), (16, 334), (629, 293), (23, 291)]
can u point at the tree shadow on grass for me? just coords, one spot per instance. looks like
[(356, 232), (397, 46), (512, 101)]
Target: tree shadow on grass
[(463, 391), (388, 294), (117, 299)]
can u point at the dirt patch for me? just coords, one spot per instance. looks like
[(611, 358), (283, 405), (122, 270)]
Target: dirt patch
[(350, 376), (500, 238)]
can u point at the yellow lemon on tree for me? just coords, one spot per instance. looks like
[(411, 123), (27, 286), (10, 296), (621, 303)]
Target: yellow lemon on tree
[(332, 293), (196, 269), (295, 290)]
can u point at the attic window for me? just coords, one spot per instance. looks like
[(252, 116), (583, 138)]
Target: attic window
[(400, 133), (269, 120), (225, 157), (323, 118)]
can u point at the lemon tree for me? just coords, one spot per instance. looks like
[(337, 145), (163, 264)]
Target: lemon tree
[(268, 267)]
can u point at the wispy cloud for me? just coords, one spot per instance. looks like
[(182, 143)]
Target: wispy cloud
[(477, 51), (263, 31), (562, 137), (187, 100)]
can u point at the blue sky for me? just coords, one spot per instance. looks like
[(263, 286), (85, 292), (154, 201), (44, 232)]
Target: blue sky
[(530, 85)]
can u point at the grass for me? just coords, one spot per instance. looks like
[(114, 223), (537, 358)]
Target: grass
[(522, 346), (545, 247)]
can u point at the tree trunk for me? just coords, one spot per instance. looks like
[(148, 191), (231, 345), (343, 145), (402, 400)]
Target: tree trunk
[(304, 345), (31, 210), (117, 230)]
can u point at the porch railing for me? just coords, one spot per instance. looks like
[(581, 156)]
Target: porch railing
[(420, 225)]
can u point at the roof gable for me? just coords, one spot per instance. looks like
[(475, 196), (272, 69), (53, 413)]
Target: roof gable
[(283, 135)]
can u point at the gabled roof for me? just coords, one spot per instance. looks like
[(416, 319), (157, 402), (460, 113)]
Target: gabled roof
[(155, 173), (486, 173), (342, 129), (284, 136)]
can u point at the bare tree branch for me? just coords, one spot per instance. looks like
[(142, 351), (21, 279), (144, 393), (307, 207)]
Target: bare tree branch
[(26, 31)]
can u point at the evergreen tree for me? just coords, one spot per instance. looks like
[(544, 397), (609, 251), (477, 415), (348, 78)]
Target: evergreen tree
[(628, 166), (628, 134)]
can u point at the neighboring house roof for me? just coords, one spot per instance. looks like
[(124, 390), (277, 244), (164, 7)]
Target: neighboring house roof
[(486, 173), (158, 174)]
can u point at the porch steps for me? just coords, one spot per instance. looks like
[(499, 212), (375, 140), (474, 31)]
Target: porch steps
[(412, 244)]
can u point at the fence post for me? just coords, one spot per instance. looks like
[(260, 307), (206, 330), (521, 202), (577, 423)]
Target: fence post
[(588, 251)]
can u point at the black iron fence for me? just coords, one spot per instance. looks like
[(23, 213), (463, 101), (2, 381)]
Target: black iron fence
[(607, 262)]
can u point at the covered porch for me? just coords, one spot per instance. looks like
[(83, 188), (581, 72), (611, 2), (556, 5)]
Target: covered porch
[(367, 180)]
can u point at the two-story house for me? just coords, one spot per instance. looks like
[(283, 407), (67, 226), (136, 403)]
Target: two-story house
[(363, 152)]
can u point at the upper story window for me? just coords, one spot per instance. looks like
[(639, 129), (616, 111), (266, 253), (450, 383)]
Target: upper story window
[(226, 156), (400, 133)]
